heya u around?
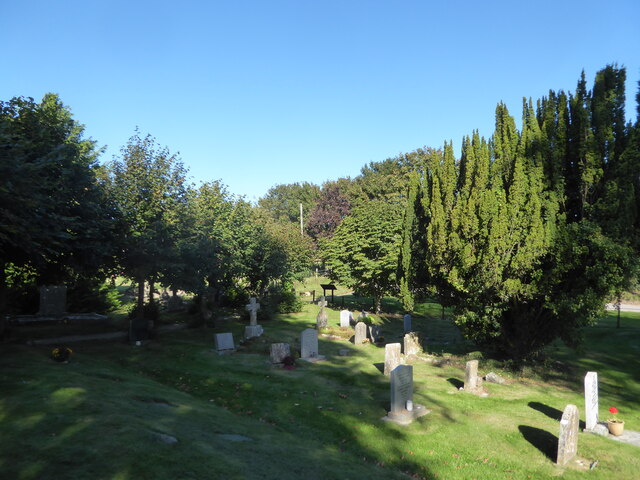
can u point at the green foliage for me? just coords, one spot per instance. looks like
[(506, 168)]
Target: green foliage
[(150, 311), (86, 295), (282, 202)]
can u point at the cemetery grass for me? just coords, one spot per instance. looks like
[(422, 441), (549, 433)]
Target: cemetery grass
[(104, 414)]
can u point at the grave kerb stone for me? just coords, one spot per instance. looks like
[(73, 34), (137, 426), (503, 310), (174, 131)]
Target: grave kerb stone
[(568, 438)]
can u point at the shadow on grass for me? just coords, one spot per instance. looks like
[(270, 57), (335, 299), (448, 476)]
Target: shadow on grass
[(544, 441), (379, 366), (551, 412), (456, 382)]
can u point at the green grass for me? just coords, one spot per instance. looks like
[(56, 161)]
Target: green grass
[(99, 416)]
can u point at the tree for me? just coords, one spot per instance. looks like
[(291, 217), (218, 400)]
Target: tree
[(282, 202), (363, 252), (147, 186), (332, 207)]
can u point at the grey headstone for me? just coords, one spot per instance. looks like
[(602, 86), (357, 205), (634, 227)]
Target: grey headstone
[(253, 308), (375, 333), (322, 320), (279, 351), (309, 343), (392, 352), (53, 300), (591, 399), (345, 318), (361, 333), (401, 387), (568, 438), (492, 377), (471, 376), (407, 323), (251, 331), (224, 343), (412, 344)]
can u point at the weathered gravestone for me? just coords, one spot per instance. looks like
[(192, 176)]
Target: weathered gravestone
[(279, 351), (309, 346), (568, 438), (345, 318), (375, 333), (224, 343), (253, 329), (591, 405), (407, 323), (473, 383), (322, 320), (403, 411), (361, 333), (392, 357), (53, 300), (412, 344)]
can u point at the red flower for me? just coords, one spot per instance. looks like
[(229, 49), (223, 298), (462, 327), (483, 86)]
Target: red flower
[(613, 410)]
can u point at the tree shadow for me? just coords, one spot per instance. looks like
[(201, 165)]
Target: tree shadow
[(456, 382), (544, 441), (552, 413)]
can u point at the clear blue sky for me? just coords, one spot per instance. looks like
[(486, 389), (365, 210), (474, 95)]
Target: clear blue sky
[(258, 93)]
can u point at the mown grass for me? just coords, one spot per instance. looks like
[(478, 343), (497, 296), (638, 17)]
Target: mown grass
[(99, 416)]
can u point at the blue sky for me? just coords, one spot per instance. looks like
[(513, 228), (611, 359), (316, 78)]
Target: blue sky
[(258, 93)]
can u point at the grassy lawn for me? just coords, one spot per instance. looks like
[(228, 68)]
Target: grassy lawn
[(104, 414)]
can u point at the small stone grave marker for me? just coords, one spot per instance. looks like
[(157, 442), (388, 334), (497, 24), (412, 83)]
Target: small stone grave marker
[(407, 323), (322, 320), (375, 333), (471, 376), (568, 438), (345, 318), (403, 410), (392, 352), (412, 344), (224, 343), (361, 333), (53, 300), (309, 346), (279, 351)]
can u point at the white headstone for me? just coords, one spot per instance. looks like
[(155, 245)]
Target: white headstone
[(224, 343), (568, 438), (345, 318), (392, 352), (253, 308), (591, 399), (407, 323), (361, 333)]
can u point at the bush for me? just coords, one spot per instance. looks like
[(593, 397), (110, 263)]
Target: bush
[(150, 311), (92, 295)]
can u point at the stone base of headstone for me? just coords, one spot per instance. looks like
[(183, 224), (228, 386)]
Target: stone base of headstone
[(600, 429), (405, 417), (317, 358), (251, 331), (479, 391)]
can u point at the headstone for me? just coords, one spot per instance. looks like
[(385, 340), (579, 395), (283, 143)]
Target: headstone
[(53, 300), (375, 333), (279, 351), (361, 333), (568, 438), (403, 411), (471, 376), (224, 343), (412, 344), (492, 377), (591, 399), (345, 318), (251, 331), (322, 320), (309, 345), (392, 352), (253, 308), (363, 316), (407, 323)]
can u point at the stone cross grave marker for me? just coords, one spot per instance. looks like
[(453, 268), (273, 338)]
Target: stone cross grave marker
[(391, 357), (568, 438), (322, 320), (345, 318), (591, 399), (361, 333), (471, 376), (279, 351), (309, 345), (412, 344), (224, 343), (253, 306), (53, 300), (407, 323)]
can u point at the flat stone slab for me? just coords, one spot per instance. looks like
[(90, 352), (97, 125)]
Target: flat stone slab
[(405, 417), (629, 436)]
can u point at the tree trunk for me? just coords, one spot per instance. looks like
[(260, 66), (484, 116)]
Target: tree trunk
[(140, 298), (152, 287), (3, 300)]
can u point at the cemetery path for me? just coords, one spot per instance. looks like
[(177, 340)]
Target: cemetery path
[(624, 307)]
